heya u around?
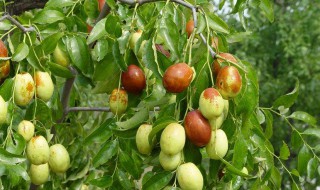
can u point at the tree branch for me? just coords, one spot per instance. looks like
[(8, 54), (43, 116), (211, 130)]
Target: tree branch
[(104, 12), (101, 109), (15, 22)]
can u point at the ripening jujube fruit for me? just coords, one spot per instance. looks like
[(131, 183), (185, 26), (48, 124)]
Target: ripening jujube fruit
[(3, 110), (133, 79), (118, 101), (60, 56), (44, 85), (229, 82), (211, 103), (197, 128), (216, 122), (189, 27), (39, 174), (59, 159), (134, 38), (4, 69), (177, 77), (101, 4), (218, 146), (169, 162), (189, 177), (3, 49), (216, 66), (24, 89), (26, 129), (172, 139), (142, 139), (38, 150)]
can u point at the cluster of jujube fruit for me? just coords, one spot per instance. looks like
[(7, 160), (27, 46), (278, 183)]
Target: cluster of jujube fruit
[(42, 158)]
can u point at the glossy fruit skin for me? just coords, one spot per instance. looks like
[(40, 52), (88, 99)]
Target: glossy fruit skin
[(3, 111), (189, 27), (3, 49), (172, 139), (133, 80), (39, 174), (61, 57), (101, 4), (118, 101), (177, 77), (218, 145), (134, 38), (44, 85), (197, 128), (229, 82), (216, 66), (142, 139), (216, 122), (38, 150), (26, 129), (4, 69), (24, 89), (169, 162), (189, 177), (59, 160), (211, 103)]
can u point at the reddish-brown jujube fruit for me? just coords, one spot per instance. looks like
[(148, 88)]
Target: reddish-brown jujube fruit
[(216, 66), (133, 80), (189, 27), (3, 50), (4, 65), (197, 128), (177, 77), (229, 82)]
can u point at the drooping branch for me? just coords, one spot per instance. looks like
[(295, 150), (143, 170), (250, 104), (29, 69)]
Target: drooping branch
[(17, 8), (18, 24)]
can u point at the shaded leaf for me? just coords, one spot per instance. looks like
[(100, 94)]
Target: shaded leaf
[(303, 158), (129, 165), (108, 150), (158, 181), (49, 44), (159, 125), (267, 7), (288, 99), (97, 32), (312, 131), (101, 134), (284, 152), (59, 70), (312, 167), (9, 158), (59, 3), (102, 182)]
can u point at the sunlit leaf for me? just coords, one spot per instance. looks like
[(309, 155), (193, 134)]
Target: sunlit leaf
[(158, 181), (303, 116), (284, 152), (21, 52), (288, 99)]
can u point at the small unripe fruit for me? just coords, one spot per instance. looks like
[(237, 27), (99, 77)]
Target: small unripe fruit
[(172, 139), (59, 160), (189, 27), (216, 66), (169, 162), (218, 146), (60, 57), (118, 101), (3, 111), (134, 38), (39, 174), (23, 89), (211, 103), (44, 85), (229, 82), (26, 129), (216, 122), (177, 77), (142, 139), (4, 69), (38, 150), (133, 80), (197, 128), (189, 177)]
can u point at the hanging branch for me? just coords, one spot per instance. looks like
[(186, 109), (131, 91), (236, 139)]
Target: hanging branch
[(15, 22)]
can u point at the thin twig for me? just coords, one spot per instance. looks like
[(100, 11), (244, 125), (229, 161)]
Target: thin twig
[(101, 109), (15, 22)]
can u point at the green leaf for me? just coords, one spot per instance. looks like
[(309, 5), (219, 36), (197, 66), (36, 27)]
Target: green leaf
[(138, 118), (269, 124), (19, 170), (101, 134), (149, 58), (233, 169), (112, 25), (169, 33), (59, 3), (288, 99), (217, 24), (81, 173), (159, 125), (9, 158), (97, 32), (237, 6), (101, 49), (5, 25), (303, 158), (32, 58), (312, 167), (267, 7), (108, 150), (129, 165), (158, 181), (240, 152), (40, 110), (59, 70), (91, 8), (312, 131), (238, 37), (284, 151), (102, 182), (16, 144), (303, 116), (79, 53), (21, 52), (118, 57), (49, 44), (192, 153), (6, 89), (276, 178), (47, 16), (124, 180)]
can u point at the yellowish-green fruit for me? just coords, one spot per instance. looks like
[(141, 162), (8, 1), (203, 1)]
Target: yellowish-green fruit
[(26, 129), (118, 101), (59, 160), (23, 89), (39, 174), (142, 139), (44, 85), (189, 177), (173, 139), (216, 122), (134, 38), (169, 162), (225, 108), (3, 111), (38, 150), (211, 103), (61, 57), (218, 146)]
